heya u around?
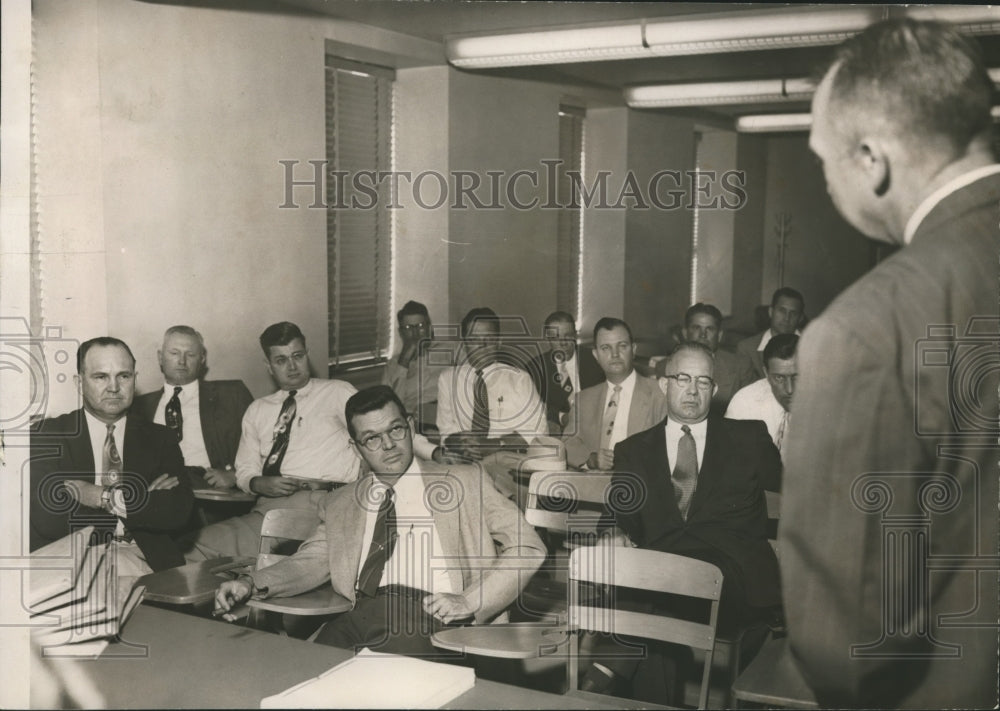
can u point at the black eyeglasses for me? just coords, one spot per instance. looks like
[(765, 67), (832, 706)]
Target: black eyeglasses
[(703, 382), (375, 442)]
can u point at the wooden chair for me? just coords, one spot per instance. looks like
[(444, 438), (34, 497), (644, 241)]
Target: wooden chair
[(644, 570), (773, 679), (569, 505), (294, 525)]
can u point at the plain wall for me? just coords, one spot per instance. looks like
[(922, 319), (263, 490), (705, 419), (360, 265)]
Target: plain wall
[(716, 154), (748, 228)]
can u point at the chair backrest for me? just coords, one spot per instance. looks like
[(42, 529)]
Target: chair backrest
[(288, 524), (637, 568), (554, 498)]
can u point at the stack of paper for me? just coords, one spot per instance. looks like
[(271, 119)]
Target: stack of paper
[(378, 681), (75, 595)]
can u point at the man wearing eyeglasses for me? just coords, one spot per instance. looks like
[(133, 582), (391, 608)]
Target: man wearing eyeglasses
[(770, 400), (413, 545), (698, 485)]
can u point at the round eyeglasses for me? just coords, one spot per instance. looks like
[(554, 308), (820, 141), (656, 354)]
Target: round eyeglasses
[(376, 441), (703, 382)]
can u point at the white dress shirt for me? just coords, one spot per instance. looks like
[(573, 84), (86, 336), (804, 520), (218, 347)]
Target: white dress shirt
[(98, 434), (418, 544), (673, 430), (514, 404), (318, 446), (620, 429), (193, 441), (757, 402)]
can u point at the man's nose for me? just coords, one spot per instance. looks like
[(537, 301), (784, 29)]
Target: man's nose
[(789, 387), (388, 442)]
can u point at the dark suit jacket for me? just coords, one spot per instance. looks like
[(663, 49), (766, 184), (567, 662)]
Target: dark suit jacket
[(898, 393), (747, 350), (543, 371), (727, 513), (61, 450), (222, 404)]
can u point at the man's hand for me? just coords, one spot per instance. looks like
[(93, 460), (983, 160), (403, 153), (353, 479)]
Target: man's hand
[(407, 354), (604, 460), (164, 482), (84, 493), (448, 607), (220, 478), (273, 486), (230, 593)]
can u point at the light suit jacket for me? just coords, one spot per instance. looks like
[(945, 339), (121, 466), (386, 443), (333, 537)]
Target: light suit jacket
[(491, 552), (586, 415)]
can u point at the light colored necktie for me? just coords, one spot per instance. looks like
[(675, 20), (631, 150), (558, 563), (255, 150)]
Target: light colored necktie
[(685, 474), (608, 423), (111, 467), (779, 439)]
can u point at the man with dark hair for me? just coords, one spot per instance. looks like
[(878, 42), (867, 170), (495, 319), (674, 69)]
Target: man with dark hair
[(205, 415), (698, 481), (413, 545), (294, 448), (786, 313), (563, 370), (770, 400), (703, 323), (484, 404), (414, 373), (625, 403), (99, 466), (896, 404)]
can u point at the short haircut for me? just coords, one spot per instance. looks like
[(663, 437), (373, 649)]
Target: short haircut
[(692, 346), (185, 331), (781, 347), (609, 323), (926, 82), (481, 313), (81, 352), (702, 308), (412, 308), (280, 334), (369, 400), (789, 293), (560, 317)]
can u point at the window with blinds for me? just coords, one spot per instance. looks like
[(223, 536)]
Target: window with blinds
[(359, 226), (568, 242)]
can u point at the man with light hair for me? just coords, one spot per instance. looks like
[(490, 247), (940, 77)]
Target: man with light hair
[(895, 440)]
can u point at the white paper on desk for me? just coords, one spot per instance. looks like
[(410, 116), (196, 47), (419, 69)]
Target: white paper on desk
[(56, 569), (378, 681)]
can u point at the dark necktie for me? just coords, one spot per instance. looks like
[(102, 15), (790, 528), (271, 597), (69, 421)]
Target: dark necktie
[(685, 475), (480, 406), (111, 466), (172, 414), (282, 432), (383, 543), (562, 376)]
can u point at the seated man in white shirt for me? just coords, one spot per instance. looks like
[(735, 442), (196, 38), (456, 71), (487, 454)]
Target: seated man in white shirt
[(484, 404), (294, 448), (414, 546), (414, 373), (770, 400)]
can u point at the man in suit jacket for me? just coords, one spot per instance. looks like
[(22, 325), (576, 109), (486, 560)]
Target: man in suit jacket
[(703, 323), (136, 496), (204, 414), (702, 480), (594, 425), (413, 546), (895, 416), (786, 312), (562, 371)]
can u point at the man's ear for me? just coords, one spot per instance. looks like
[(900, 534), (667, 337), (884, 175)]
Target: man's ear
[(78, 380), (634, 346), (872, 161)]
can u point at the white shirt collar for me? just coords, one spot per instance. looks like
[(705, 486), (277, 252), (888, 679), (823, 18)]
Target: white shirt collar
[(94, 424), (932, 200), (698, 429), (188, 391), (628, 385)]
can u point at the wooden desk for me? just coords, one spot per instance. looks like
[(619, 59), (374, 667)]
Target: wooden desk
[(773, 679), (171, 660)]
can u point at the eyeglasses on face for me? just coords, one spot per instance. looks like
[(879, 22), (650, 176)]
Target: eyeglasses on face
[(703, 382), (376, 441)]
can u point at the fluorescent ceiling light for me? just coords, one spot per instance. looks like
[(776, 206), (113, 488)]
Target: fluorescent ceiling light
[(719, 93), (701, 34), (773, 123)]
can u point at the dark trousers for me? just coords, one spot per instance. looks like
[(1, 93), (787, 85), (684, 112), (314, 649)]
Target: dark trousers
[(393, 621)]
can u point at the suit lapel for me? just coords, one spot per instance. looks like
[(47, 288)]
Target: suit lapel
[(638, 411), (345, 534), (208, 404), (446, 519), (79, 449), (716, 447), (133, 442)]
